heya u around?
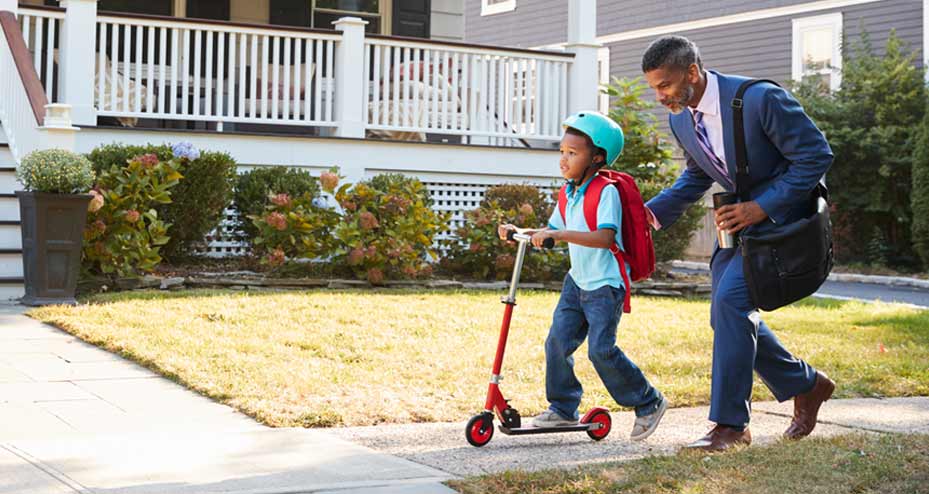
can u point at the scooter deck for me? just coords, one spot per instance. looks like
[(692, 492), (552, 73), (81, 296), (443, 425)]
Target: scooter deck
[(543, 430)]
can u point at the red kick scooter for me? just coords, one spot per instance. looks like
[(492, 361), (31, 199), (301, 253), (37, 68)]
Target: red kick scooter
[(480, 428)]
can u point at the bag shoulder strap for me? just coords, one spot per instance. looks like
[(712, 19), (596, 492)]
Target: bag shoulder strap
[(742, 179), (563, 203), (592, 200)]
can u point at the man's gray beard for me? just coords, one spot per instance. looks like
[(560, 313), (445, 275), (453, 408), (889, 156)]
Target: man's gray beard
[(688, 95)]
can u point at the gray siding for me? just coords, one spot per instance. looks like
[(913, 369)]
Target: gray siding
[(447, 21), (616, 16), (533, 23), (763, 48)]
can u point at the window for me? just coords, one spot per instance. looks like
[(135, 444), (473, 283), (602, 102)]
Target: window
[(490, 7), (817, 49), (321, 13)]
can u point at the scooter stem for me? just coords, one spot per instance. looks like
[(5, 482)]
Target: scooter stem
[(518, 266)]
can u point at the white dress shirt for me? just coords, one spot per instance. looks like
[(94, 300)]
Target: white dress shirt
[(712, 120)]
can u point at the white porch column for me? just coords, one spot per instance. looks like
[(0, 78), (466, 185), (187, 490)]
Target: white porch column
[(352, 90), (583, 79), (77, 56), (9, 6)]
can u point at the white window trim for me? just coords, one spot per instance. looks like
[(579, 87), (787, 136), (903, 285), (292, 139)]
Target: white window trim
[(497, 8), (829, 20), (603, 64)]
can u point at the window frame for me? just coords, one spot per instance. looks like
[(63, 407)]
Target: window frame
[(488, 8), (800, 25)]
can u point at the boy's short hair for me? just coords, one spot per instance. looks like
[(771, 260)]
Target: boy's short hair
[(590, 143)]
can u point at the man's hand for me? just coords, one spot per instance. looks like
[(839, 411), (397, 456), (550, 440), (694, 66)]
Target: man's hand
[(734, 217), (503, 231), (540, 236)]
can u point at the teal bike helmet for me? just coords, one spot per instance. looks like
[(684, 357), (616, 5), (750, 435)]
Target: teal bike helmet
[(604, 132)]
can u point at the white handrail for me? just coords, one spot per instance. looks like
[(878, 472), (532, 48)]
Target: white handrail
[(17, 114)]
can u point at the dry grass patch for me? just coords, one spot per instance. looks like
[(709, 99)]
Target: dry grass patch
[(856, 463), (323, 358)]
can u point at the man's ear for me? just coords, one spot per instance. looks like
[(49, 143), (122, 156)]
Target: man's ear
[(693, 73)]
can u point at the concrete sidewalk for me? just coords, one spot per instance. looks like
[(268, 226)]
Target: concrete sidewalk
[(77, 419)]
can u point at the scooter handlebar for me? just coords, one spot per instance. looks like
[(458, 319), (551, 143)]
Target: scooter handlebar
[(512, 236)]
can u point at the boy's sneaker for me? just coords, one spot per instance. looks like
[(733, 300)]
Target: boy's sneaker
[(550, 418), (646, 424)]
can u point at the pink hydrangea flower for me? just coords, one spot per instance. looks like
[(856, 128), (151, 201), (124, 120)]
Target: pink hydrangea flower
[(329, 181), (375, 276), (132, 216), (367, 221), (276, 257), (147, 160), (96, 202), (277, 221), (280, 200)]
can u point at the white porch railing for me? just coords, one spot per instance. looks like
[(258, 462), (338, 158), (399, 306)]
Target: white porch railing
[(465, 90), (184, 70), (20, 115), (42, 31)]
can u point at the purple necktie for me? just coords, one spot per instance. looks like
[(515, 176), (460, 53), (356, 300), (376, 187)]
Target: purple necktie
[(704, 141)]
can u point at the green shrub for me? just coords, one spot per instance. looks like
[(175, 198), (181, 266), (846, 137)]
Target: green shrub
[(124, 233), (920, 202), (387, 228), (871, 123), (197, 202), (254, 187), (294, 228), (56, 171), (647, 156), (476, 252)]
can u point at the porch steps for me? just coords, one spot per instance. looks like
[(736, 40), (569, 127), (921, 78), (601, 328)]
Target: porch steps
[(11, 254)]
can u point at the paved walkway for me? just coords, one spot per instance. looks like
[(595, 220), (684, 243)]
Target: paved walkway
[(76, 419)]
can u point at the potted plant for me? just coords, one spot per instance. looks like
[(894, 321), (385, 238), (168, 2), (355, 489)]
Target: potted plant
[(52, 212)]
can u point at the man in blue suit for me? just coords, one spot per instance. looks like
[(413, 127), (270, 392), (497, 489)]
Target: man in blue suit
[(788, 156)]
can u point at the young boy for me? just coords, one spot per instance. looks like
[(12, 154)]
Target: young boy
[(592, 296)]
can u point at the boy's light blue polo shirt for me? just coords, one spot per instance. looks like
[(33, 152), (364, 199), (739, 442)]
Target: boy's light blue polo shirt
[(591, 268)]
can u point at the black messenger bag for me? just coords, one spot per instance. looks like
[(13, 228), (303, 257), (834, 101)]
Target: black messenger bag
[(792, 261)]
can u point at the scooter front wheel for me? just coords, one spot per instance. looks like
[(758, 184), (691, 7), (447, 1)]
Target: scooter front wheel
[(480, 429), (606, 423)]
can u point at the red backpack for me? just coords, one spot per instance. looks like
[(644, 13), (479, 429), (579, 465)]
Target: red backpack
[(639, 251)]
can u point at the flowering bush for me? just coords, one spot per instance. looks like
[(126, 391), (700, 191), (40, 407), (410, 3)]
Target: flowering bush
[(298, 227), (56, 171), (253, 188), (388, 227), (477, 252), (197, 202), (124, 233)]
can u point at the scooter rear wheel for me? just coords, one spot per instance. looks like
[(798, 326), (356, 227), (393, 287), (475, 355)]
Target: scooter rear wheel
[(479, 430), (606, 423)]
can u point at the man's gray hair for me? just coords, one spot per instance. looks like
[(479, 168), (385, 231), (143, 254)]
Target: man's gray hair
[(671, 51)]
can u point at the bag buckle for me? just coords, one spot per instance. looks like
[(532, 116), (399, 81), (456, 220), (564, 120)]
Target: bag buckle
[(737, 102)]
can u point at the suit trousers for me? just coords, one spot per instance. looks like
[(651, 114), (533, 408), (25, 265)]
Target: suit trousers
[(742, 342)]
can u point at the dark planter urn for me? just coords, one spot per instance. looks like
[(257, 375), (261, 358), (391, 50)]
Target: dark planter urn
[(52, 227)]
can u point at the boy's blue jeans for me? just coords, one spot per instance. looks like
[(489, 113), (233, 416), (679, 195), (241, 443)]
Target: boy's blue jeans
[(595, 314)]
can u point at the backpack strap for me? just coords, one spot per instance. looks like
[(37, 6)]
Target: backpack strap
[(563, 203), (591, 203)]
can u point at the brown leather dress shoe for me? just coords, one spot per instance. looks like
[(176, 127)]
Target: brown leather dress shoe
[(721, 438), (806, 407)]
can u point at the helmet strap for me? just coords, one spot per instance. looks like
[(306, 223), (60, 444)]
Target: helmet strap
[(578, 183)]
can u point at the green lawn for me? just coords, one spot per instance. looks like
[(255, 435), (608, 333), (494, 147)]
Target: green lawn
[(323, 358), (856, 463)]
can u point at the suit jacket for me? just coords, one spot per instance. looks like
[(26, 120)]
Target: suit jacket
[(787, 155)]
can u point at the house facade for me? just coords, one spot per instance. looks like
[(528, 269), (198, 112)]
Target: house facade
[(783, 40), (369, 86)]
